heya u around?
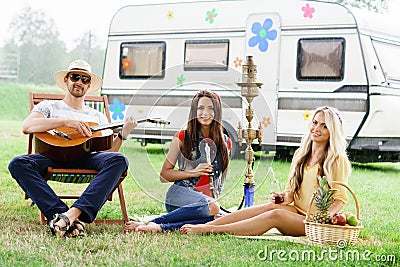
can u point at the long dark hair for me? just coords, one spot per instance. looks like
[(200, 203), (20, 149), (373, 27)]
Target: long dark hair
[(216, 130)]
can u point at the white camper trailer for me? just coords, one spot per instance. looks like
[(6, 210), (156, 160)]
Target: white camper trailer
[(308, 54)]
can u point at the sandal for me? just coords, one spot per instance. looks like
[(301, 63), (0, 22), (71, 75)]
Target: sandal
[(77, 226), (55, 228)]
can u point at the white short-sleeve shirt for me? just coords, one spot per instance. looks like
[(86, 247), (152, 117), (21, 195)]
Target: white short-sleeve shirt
[(60, 109)]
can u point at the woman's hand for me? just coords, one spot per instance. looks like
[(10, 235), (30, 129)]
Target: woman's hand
[(284, 198), (277, 197), (203, 169)]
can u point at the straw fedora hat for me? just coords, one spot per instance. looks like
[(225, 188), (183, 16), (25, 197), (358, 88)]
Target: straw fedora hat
[(81, 66)]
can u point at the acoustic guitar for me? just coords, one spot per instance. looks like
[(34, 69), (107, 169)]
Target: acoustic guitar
[(67, 144)]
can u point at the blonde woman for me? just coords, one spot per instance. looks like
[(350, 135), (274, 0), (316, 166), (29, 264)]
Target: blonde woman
[(322, 152)]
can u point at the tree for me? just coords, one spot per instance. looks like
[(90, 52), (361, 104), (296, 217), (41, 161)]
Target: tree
[(87, 50), (37, 42), (33, 27), (373, 5)]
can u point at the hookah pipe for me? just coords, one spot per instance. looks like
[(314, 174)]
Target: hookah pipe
[(211, 175), (206, 184)]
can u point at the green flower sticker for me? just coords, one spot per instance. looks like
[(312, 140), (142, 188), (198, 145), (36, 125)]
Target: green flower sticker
[(211, 15), (180, 80)]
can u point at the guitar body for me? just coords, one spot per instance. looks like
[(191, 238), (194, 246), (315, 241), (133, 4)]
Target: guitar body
[(58, 148), (67, 144)]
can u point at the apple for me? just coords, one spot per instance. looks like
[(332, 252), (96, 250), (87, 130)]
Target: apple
[(338, 219)]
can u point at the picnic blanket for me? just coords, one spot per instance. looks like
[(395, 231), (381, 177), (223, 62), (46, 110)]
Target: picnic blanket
[(272, 234)]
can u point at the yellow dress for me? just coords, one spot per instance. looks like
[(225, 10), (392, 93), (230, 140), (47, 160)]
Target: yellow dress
[(310, 184)]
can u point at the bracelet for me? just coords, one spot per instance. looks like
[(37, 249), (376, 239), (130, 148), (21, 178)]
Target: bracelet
[(121, 137)]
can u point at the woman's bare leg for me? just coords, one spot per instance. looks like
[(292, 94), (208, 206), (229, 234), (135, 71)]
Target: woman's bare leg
[(131, 226), (244, 214), (287, 221), (148, 227)]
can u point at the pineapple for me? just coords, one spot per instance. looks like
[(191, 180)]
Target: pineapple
[(323, 201)]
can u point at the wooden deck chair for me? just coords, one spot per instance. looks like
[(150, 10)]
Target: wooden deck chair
[(78, 175)]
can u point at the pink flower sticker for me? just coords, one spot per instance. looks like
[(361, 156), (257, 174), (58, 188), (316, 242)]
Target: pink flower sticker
[(308, 11)]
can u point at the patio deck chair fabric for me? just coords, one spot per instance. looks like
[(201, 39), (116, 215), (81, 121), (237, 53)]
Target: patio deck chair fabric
[(78, 176)]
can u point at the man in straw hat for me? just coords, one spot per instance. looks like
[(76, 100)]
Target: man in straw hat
[(27, 170)]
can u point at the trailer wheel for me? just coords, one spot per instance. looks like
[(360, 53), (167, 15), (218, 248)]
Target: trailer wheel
[(143, 142), (284, 153)]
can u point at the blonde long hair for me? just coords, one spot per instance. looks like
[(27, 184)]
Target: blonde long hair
[(335, 148)]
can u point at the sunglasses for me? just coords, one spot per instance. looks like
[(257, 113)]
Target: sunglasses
[(76, 77)]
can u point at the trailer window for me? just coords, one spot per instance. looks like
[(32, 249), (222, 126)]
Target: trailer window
[(389, 57), (142, 60), (320, 59), (206, 55)]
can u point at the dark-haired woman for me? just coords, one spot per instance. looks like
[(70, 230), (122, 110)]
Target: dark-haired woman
[(190, 199)]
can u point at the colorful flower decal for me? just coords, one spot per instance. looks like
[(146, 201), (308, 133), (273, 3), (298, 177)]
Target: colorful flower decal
[(266, 121), (306, 114), (308, 11), (126, 63), (170, 15), (262, 35), (237, 62), (211, 16), (180, 80), (117, 108)]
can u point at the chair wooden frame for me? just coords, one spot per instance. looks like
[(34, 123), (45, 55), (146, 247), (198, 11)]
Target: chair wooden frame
[(35, 99)]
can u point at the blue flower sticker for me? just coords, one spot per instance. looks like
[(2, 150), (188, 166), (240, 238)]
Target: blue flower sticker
[(262, 35), (117, 108)]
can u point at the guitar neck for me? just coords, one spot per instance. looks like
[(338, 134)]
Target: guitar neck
[(107, 126), (121, 123)]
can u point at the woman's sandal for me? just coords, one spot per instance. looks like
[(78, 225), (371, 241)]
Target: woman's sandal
[(55, 228)]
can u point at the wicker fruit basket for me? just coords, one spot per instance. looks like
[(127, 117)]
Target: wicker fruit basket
[(328, 234)]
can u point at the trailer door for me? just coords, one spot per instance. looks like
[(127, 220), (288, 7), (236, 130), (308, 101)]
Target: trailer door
[(263, 43)]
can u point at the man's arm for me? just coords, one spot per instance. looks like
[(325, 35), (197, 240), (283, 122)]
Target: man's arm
[(36, 123)]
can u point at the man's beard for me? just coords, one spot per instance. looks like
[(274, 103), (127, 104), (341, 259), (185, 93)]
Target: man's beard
[(77, 94)]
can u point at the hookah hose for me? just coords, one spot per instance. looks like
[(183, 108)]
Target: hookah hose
[(241, 202), (205, 151), (240, 206)]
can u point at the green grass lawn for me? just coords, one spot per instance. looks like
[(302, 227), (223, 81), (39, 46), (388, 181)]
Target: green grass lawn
[(24, 242)]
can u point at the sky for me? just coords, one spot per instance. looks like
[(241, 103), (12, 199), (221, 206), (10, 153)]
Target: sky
[(75, 17), (72, 18)]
